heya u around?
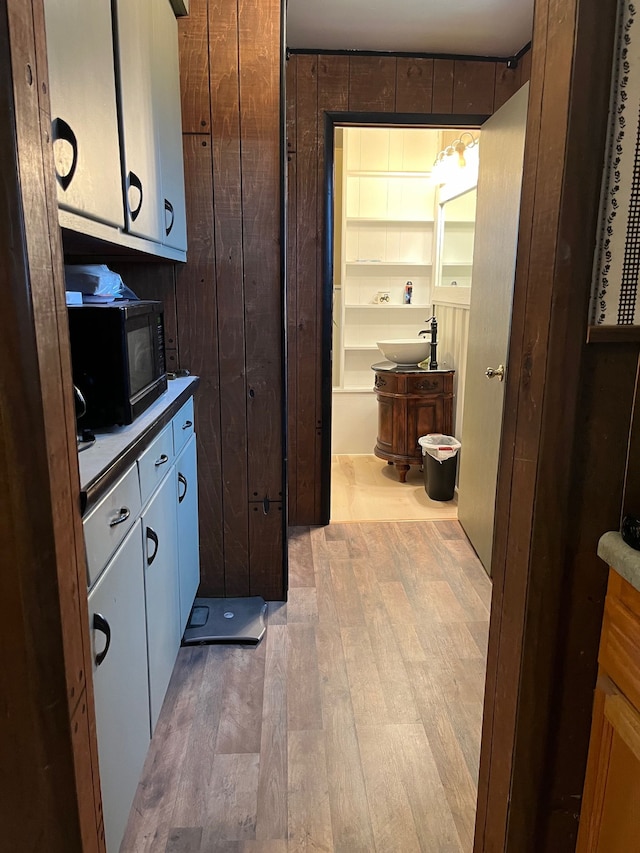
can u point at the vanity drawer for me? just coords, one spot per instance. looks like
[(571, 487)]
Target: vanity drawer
[(183, 426), (425, 383), (108, 522), (389, 383), (155, 462)]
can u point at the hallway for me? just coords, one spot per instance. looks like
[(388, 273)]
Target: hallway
[(353, 726)]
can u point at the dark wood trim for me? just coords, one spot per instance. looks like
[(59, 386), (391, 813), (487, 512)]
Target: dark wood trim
[(567, 414), (613, 334), (412, 54), (49, 755)]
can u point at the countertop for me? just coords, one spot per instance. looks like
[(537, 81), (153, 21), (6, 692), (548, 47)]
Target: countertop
[(621, 557), (390, 367), (117, 447)]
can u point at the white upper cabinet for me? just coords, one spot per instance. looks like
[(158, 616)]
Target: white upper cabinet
[(168, 125), (83, 109), (140, 157), (115, 95)]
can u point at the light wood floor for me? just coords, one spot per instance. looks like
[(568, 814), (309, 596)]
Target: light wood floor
[(353, 726), (365, 488)]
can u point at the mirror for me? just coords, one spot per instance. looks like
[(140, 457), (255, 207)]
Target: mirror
[(456, 226)]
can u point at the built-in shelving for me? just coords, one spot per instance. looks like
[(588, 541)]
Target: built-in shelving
[(387, 236)]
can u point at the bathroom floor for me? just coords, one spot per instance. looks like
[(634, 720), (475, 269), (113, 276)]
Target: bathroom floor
[(365, 488)]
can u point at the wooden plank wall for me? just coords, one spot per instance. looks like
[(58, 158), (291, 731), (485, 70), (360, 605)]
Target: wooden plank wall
[(50, 789), (563, 456), (225, 305), (319, 83)]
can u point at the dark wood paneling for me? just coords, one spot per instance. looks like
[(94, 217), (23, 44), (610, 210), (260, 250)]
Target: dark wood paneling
[(292, 292), (259, 28), (525, 67), (265, 546), (443, 86), (414, 85), (196, 294), (308, 323), (193, 31), (473, 89), (548, 587), (372, 84), (507, 83), (231, 332), (48, 788)]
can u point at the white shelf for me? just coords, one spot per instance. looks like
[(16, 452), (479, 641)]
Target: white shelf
[(465, 264), (375, 173), (386, 305), (388, 264), (378, 220), (373, 348)]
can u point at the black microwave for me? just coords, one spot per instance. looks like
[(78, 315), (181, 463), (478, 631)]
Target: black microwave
[(118, 360)]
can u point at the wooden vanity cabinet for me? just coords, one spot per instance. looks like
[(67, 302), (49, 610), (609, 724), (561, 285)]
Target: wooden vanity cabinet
[(411, 404), (610, 816)]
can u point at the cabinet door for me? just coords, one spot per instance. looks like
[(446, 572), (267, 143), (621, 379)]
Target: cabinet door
[(120, 682), (134, 25), (168, 121), (610, 818), (424, 416), (161, 590), (186, 474), (83, 108), (387, 441)]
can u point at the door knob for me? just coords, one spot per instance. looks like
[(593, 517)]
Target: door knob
[(498, 372)]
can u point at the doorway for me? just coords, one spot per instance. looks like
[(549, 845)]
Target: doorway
[(381, 237)]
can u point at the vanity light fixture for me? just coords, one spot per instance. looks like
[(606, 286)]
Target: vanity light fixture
[(445, 164)]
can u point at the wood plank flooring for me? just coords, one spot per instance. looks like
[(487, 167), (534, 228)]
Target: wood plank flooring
[(365, 488), (353, 726)]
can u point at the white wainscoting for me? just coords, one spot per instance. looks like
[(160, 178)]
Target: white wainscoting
[(453, 338), (354, 421)]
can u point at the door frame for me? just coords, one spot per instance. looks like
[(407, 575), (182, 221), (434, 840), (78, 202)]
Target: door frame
[(333, 119), (559, 488)]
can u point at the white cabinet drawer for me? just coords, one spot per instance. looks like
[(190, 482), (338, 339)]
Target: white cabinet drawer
[(183, 427), (155, 463), (108, 522)]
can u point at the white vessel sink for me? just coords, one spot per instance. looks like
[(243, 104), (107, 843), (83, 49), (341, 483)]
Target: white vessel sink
[(406, 351)]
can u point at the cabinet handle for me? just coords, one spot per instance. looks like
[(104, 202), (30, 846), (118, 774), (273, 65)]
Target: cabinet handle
[(124, 515), (60, 130), (183, 481), (162, 461), (134, 181), (151, 534), (187, 424), (101, 624), (168, 208)]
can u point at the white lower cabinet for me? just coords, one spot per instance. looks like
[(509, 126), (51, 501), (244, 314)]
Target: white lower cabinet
[(119, 646), (188, 548), (162, 595), (140, 603)]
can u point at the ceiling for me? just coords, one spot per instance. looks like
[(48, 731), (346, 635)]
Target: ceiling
[(466, 27)]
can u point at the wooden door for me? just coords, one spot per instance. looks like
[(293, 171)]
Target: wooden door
[(610, 818), (494, 262)]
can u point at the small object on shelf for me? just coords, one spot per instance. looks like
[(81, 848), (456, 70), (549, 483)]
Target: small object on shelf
[(382, 296), (408, 292)]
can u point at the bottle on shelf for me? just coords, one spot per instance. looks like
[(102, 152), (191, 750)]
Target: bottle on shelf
[(408, 292)]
